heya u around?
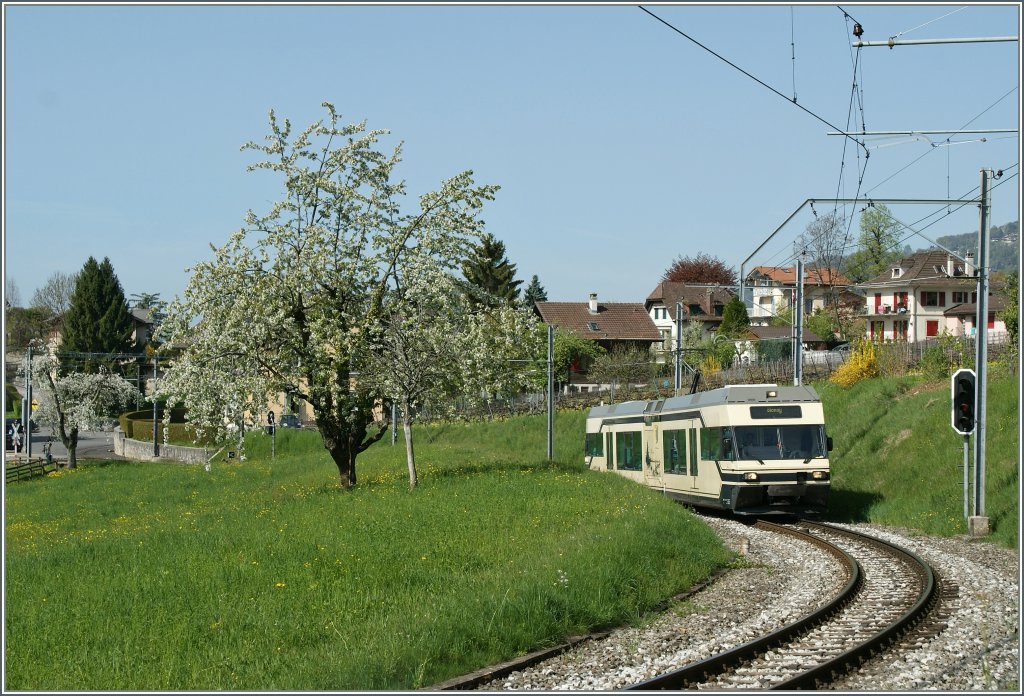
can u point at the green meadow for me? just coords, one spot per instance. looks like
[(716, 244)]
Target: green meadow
[(263, 575)]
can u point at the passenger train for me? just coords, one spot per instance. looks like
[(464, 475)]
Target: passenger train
[(751, 449)]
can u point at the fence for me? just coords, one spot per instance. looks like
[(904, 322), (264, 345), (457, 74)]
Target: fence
[(895, 359), (29, 469)]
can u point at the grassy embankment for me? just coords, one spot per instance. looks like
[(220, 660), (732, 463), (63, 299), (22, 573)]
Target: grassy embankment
[(898, 462), (262, 575)]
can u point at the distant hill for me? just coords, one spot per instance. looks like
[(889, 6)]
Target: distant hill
[(1004, 246)]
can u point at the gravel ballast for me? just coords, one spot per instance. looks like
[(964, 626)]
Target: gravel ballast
[(783, 579)]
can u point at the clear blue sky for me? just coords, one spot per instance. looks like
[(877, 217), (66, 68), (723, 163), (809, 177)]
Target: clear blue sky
[(618, 143)]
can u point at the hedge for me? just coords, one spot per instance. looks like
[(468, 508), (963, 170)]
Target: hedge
[(138, 425)]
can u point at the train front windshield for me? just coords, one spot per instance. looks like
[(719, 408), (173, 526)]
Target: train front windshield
[(779, 442)]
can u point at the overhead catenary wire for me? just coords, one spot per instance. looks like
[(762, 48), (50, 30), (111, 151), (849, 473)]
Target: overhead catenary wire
[(951, 134), (752, 77), (964, 200)]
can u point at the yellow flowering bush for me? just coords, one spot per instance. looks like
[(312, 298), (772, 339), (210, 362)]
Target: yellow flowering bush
[(862, 364)]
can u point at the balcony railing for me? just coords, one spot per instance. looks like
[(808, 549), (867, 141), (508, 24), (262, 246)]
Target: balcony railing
[(886, 309)]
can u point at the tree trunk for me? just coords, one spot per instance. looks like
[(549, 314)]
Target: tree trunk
[(336, 442), (71, 443), (407, 429)]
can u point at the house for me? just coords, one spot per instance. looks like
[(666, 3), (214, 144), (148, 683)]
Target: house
[(747, 348), (770, 290), (609, 324), (924, 295), (142, 325), (702, 303)]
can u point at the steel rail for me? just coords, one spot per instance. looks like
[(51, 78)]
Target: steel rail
[(829, 671), (716, 664)]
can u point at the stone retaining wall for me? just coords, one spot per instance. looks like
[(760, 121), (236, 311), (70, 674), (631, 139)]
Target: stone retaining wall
[(143, 451)]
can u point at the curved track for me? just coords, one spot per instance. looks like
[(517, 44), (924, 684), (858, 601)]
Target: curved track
[(889, 590)]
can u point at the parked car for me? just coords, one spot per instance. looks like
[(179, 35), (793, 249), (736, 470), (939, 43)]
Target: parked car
[(289, 420), (842, 349)]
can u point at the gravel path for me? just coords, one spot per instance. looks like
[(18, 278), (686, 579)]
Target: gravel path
[(783, 579)]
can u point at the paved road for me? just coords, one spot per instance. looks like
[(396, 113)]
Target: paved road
[(91, 445)]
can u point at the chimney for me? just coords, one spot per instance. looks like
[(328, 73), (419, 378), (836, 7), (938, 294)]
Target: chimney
[(593, 303), (969, 264), (950, 266)]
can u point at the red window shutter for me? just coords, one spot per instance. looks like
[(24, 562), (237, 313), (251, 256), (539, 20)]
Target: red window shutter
[(991, 320), (878, 301), (932, 328)]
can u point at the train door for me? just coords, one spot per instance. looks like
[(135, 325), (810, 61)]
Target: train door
[(653, 463), (679, 456), (692, 455)]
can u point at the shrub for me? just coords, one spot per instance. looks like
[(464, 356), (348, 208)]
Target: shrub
[(862, 364), (12, 401)]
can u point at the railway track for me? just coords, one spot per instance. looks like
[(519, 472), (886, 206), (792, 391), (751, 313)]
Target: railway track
[(888, 591)]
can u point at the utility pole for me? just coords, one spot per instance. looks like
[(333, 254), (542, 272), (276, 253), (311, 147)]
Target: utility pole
[(798, 323), (978, 525), (551, 392), (679, 348), (156, 447), (26, 407)]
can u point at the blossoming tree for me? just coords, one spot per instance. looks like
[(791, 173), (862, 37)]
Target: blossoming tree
[(442, 344), (71, 402), (289, 302)]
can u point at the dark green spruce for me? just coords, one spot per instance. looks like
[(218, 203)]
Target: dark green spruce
[(98, 320)]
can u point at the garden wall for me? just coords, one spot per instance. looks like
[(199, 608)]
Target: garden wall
[(143, 451)]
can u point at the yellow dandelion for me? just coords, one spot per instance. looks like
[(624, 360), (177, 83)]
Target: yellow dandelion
[(281, 584)]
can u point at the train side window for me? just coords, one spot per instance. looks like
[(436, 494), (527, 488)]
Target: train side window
[(711, 444), (628, 451), (595, 445), (675, 451), (608, 463), (693, 452)]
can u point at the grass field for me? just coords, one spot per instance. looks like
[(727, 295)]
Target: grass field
[(264, 575), (898, 462)]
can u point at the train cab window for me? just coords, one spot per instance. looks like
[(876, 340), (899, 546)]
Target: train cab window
[(595, 445), (628, 451), (675, 451), (781, 441)]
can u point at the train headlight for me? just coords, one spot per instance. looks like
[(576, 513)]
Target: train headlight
[(750, 476), (819, 475)]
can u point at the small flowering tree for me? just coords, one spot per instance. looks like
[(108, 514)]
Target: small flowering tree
[(291, 302), (71, 402), (439, 347)]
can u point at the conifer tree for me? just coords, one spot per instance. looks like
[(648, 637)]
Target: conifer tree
[(534, 293), (734, 319), (97, 320), (489, 275)]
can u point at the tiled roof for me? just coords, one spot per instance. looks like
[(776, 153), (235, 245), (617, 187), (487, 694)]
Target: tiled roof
[(768, 332), (812, 276), (622, 321), (923, 269), (996, 303), (706, 296)]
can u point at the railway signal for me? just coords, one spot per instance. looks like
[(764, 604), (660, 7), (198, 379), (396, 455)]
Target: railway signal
[(963, 388)]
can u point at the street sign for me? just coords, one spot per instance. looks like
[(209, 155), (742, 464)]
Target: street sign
[(270, 417), (35, 404)]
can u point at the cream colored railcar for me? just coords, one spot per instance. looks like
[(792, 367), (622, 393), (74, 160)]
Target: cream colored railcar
[(751, 449)]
